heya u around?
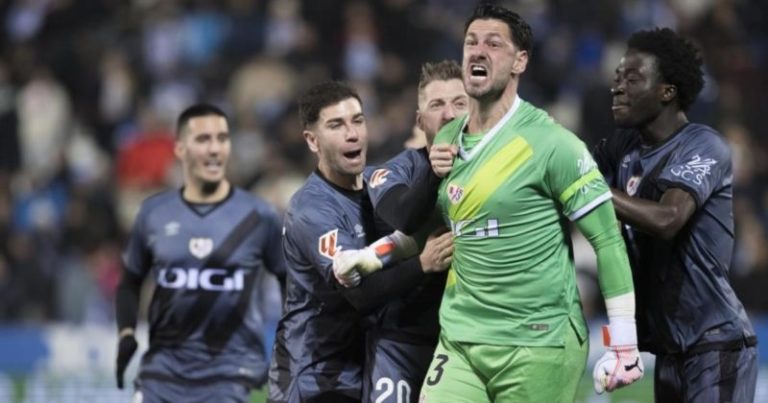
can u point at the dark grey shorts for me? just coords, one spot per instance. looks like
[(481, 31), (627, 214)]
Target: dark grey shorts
[(714, 376)]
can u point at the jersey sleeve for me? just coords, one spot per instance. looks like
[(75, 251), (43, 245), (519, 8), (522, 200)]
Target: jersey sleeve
[(137, 257), (573, 177), (392, 173), (698, 167), (315, 236), (608, 153)]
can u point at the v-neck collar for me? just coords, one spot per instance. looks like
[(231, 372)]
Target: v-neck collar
[(466, 156)]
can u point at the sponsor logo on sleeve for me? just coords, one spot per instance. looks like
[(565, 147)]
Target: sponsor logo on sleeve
[(586, 163), (200, 247), (326, 245), (378, 178), (695, 170)]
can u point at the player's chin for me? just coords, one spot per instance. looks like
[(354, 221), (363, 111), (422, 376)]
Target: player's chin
[(354, 165)]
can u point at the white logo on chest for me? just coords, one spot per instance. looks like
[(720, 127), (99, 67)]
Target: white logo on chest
[(172, 228), (200, 247)]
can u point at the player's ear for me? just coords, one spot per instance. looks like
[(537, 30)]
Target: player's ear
[(311, 138), (521, 62), (419, 121), (179, 147), (669, 92)]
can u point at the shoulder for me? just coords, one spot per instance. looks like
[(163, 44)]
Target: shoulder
[(705, 137), (314, 201), (254, 202), (407, 158), (158, 200)]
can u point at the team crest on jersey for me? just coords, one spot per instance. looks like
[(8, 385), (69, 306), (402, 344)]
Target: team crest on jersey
[(378, 178), (326, 245), (632, 184), (455, 193), (200, 247)]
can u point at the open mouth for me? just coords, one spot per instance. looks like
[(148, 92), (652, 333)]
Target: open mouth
[(353, 154), (478, 72), (213, 166)]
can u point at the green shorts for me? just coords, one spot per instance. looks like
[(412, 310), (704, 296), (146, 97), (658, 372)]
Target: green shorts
[(476, 373)]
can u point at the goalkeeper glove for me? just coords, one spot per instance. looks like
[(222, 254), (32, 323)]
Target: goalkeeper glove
[(350, 265), (621, 365), (125, 350)]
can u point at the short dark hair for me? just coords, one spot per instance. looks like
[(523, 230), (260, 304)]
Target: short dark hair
[(443, 71), (194, 111), (678, 61), (321, 95), (519, 30)]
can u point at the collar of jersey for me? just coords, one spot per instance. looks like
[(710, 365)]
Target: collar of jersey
[(466, 156)]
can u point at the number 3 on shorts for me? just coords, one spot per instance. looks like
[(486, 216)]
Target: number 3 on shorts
[(438, 370)]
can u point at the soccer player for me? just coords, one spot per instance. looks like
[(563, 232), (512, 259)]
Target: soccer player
[(319, 348), (204, 245), (511, 319), (671, 184), (399, 347)]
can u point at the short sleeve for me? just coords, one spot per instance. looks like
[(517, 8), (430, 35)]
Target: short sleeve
[(699, 167), (137, 257), (573, 177)]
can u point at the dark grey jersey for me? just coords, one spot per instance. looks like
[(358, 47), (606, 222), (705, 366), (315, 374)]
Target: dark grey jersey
[(412, 318), (204, 319), (319, 343), (684, 298)]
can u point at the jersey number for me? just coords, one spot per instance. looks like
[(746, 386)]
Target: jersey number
[(433, 380), (388, 386)]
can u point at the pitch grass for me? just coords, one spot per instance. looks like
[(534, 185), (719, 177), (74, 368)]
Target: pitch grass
[(641, 392)]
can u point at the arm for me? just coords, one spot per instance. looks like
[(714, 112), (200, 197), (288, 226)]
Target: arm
[(405, 207), (136, 263), (621, 364), (127, 304), (274, 258), (663, 219), (382, 285)]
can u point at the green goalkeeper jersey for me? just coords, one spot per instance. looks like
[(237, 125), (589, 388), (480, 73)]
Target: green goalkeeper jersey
[(508, 201)]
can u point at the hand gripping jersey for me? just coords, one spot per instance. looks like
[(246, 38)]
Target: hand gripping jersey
[(414, 317), (508, 202), (204, 319), (684, 300), (319, 344)]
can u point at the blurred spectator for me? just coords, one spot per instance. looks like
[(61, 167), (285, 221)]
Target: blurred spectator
[(89, 90)]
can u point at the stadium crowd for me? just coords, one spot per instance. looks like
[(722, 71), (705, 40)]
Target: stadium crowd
[(89, 91)]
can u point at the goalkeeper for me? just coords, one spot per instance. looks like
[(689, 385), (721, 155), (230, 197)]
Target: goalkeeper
[(511, 318)]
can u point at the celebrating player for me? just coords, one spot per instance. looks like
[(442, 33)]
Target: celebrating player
[(204, 245), (671, 183), (511, 319), (319, 348)]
